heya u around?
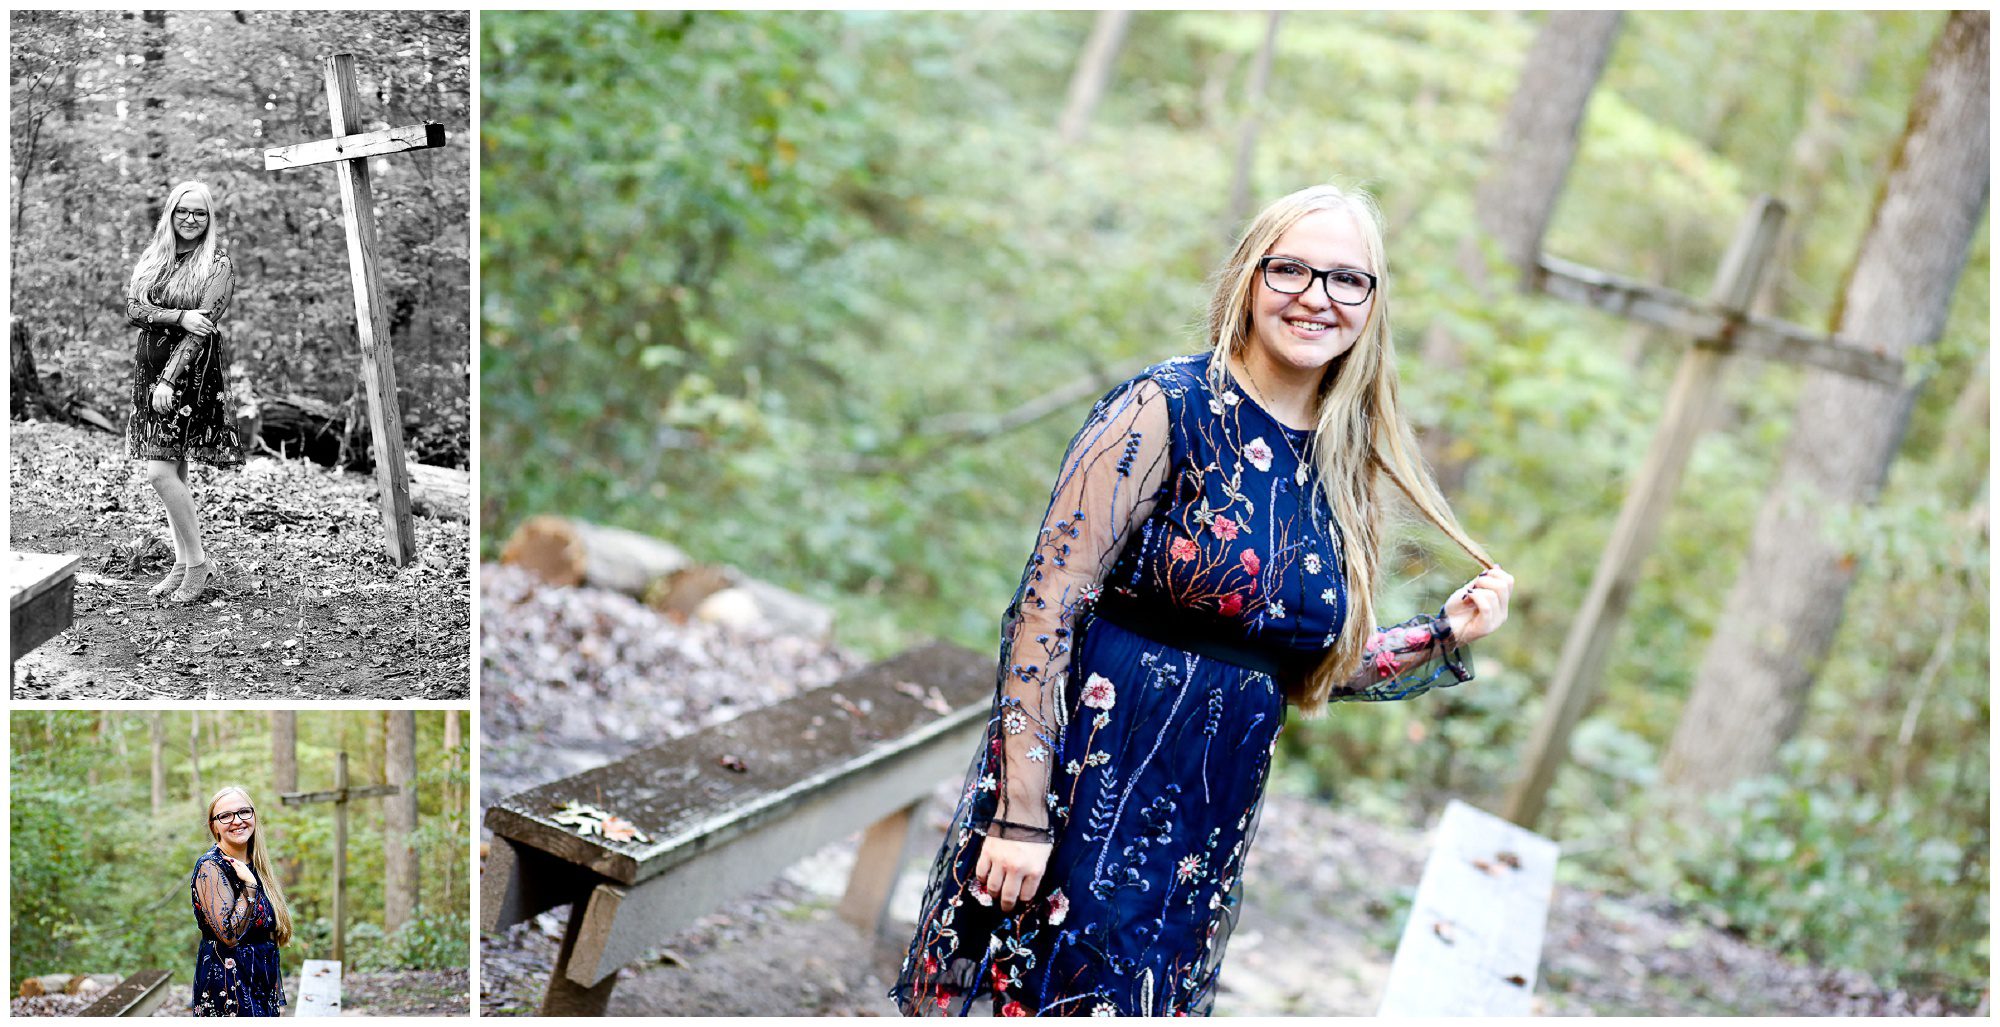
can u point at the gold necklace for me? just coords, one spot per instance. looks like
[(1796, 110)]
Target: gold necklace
[(1284, 430)]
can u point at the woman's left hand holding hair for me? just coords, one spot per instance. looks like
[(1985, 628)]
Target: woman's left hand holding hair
[(1478, 609), (242, 872)]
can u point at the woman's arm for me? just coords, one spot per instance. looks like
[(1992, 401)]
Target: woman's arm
[(227, 912), (1110, 480), (1411, 658), (141, 314), (215, 296)]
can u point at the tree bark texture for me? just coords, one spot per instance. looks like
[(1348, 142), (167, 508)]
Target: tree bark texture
[(1093, 73), (399, 885), (1750, 694), (1538, 141), (285, 750), (155, 720)]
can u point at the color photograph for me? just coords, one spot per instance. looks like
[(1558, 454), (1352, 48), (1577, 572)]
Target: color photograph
[(240, 420), (239, 863), (1234, 513)]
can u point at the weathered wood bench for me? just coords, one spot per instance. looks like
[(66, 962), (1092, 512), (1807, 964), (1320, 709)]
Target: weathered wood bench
[(319, 988), (1473, 942), (137, 995), (41, 594), (725, 810)]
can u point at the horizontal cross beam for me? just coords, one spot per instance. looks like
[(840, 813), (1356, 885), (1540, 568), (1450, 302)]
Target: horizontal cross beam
[(1763, 337), (338, 794), (367, 144)]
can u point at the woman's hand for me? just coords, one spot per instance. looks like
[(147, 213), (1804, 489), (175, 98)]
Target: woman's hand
[(1010, 871), (197, 322), (243, 873), (163, 398), (1478, 609)]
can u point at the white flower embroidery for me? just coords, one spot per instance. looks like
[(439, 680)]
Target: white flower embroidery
[(988, 783), (1329, 597), (1312, 563), (1099, 693), (1038, 754), (1277, 610), (1258, 452)]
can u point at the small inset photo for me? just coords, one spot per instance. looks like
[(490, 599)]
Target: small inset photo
[(240, 336), (240, 863)]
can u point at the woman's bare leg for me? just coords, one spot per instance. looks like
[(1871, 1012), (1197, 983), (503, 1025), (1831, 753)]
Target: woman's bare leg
[(168, 478)]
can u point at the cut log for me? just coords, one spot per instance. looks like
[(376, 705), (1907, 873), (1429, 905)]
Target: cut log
[(441, 492), (300, 426), (567, 552)]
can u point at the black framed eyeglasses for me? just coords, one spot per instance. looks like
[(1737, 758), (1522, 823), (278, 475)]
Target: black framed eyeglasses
[(190, 214), (247, 814), (1349, 287)]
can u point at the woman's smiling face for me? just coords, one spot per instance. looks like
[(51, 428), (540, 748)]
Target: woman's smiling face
[(1307, 331), (233, 819)]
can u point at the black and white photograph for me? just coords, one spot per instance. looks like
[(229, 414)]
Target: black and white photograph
[(240, 419)]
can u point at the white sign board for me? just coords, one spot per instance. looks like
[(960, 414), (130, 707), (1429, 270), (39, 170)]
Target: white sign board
[(319, 988)]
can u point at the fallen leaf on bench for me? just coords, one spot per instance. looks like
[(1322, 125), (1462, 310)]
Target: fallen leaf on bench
[(732, 762), (620, 830), (847, 706), (1444, 932), (587, 820), (1516, 980), (1512, 861)]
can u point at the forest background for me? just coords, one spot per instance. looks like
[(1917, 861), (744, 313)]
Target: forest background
[(111, 108), (107, 812), (795, 293)]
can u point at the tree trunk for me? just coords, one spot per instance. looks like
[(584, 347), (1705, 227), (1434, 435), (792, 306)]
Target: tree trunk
[(1241, 196), (194, 758), (1538, 139), (1751, 691), (1525, 170), (1093, 73), (285, 778), (159, 731), (399, 853)]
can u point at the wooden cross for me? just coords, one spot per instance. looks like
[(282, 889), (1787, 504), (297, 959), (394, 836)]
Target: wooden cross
[(349, 154), (1719, 326), (340, 797)]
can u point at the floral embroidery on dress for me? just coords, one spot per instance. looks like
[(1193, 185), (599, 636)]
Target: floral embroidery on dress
[(1144, 759)]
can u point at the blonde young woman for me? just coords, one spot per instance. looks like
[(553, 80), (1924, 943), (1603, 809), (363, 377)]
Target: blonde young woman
[(241, 913), (177, 296), (1210, 555)]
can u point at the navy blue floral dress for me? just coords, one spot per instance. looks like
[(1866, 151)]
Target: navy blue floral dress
[(1186, 566), (236, 968), (199, 426)]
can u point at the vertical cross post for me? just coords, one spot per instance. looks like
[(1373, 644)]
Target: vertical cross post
[(1689, 407), (340, 860), (378, 363)]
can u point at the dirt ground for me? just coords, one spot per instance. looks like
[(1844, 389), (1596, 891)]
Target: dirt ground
[(387, 993), (574, 678), (313, 607)]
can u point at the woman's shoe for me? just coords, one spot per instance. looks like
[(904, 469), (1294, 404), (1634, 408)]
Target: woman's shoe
[(169, 583), (202, 578)]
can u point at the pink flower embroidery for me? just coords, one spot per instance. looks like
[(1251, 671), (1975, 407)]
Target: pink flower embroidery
[(1183, 549), (1232, 605), (1189, 868), (1251, 563), (229, 964), (1258, 452), (1099, 693), (1058, 908), (1013, 1009), (1224, 528), (1386, 663), (1417, 638)]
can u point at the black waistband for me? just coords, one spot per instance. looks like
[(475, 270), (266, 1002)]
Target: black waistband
[(1184, 629)]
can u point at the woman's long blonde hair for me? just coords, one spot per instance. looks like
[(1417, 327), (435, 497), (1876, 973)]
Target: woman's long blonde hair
[(260, 861), (1362, 436), (180, 286)]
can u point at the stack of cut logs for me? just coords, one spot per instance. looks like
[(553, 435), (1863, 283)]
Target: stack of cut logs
[(68, 984), (570, 553)]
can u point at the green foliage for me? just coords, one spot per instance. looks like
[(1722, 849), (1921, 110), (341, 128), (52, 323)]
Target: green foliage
[(110, 110), (747, 279)]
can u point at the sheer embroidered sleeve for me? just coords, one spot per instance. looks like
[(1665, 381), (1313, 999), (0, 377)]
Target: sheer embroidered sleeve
[(1111, 478), (1407, 660), (215, 296), (141, 314), (225, 910)]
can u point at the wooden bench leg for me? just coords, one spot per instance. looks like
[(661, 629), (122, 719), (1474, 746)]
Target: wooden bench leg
[(566, 997), (876, 866)]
